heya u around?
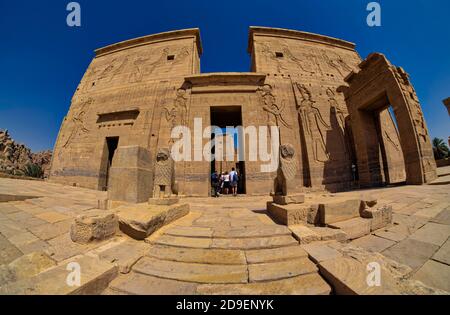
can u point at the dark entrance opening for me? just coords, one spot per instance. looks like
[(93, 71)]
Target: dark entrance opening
[(223, 117), (108, 155)]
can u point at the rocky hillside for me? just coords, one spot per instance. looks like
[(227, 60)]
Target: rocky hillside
[(17, 159)]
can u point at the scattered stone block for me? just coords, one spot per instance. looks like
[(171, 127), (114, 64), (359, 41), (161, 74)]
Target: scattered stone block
[(354, 228), (140, 221), (289, 199), (330, 234), (380, 217), (334, 212), (304, 234), (369, 200), (290, 214), (94, 225)]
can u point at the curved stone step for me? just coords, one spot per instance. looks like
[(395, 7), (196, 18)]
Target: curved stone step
[(190, 231), (281, 270), (181, 241), (226, 243), (253, 243), (258, 256), (140, 284), (198, 255), (310, 284), (191, 272), (253, 231)]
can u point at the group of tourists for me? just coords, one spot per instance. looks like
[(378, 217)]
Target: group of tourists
[(225, 183)]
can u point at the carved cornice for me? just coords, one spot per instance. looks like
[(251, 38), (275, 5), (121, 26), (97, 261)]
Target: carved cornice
[(286, 33), (173, 35)]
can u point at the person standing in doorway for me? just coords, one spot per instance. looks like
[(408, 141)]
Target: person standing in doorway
[(215, 184), (234, 178), (226, 183)]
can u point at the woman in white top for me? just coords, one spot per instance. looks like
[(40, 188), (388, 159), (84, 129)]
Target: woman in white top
[(226, 182)]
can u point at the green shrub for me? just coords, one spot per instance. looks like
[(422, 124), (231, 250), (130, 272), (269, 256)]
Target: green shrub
[(33, 170)]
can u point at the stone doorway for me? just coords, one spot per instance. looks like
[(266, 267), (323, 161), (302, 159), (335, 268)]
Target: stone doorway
[(223, 117), (109, 148), (374, 88)]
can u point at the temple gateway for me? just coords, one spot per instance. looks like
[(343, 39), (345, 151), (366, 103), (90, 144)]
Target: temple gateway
[(347, 122)]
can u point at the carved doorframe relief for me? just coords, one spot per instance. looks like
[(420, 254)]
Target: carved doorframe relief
[(376, 86)]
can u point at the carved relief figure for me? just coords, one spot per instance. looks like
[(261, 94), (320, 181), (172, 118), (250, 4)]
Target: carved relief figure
[(176, 111), (336, 62), (299, 62), (268, 103), (78, 121), (114, 68), (164, 175), (287, 170), (336, 108), (315, 125)]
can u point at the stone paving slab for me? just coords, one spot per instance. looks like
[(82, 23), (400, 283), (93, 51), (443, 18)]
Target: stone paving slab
[(411, 252), (432, 233), (192, 272), (443, 217), (373, 243), (434, 274), (443, 254)]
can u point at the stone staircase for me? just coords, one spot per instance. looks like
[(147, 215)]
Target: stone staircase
[(222, 252)]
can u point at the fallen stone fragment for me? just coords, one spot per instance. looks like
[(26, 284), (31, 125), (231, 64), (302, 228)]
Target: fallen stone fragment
[(381, 217), (94, 225), (140, 221), (354, 228)]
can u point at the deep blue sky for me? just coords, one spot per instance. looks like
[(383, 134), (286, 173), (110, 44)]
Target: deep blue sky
[(42, 59)]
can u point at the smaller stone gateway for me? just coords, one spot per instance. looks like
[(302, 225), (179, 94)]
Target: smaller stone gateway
[(94, 225)]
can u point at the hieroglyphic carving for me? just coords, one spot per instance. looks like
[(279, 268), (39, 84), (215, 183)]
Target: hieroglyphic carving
[(314, 124), (286, 171), (414, 104), (268, 104), (314, 61)]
